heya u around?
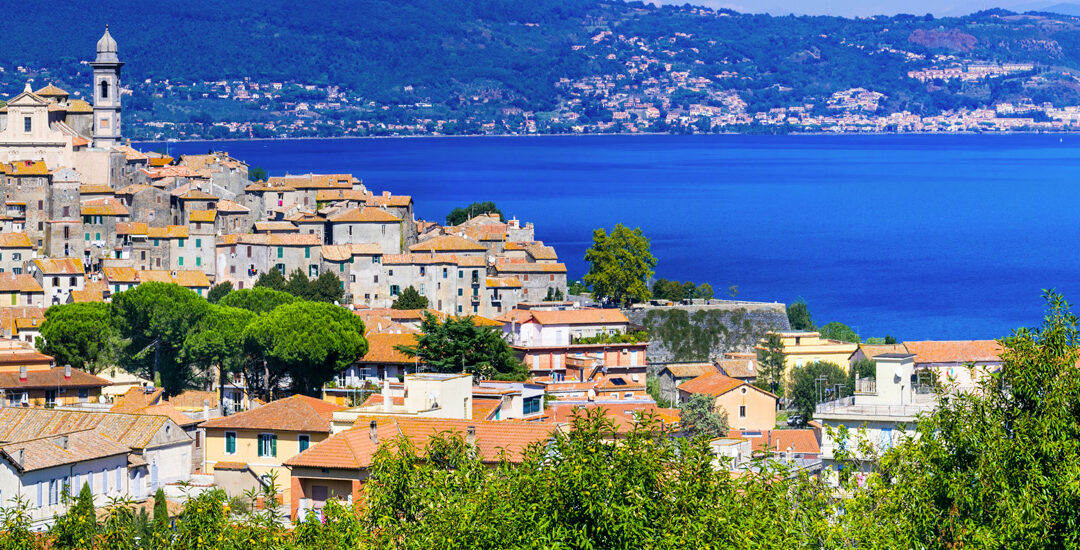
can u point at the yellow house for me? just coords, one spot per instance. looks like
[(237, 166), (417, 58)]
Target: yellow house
[(802, 347), (748, 407), (245, 447), (31, 379)]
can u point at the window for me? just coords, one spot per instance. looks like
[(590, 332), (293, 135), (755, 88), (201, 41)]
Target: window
[(742, 411), (267, 445), (104, 89), (444, 272), (421, 288), (198, 243), (375, 259), (50, 398), (54, 494), (307, 252), (232, 269), (180, 243), (66, 211), (280, 252), (119, 479), (156, 242), (230, 443), (87, 236), (198, 261), (423, 271), (341, 268), (84, 395), (394, 290), (28, 124), (304, 441), (460, 292), (460, 274), (249, 251), (180, 261), (531, 405), (280, 267)]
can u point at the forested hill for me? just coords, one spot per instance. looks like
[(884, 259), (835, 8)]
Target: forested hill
[(416, 66)]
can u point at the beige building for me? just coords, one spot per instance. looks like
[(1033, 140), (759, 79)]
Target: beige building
[(15, 251), (802, 347), (426, 394), (58, 278), (249, 445), (748, 407)]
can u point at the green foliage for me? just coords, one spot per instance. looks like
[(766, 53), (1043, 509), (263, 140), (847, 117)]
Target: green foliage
[(219, 291), (619, 265), (880, 341), (326, 287), (272, 279), (704, 333), (459, 216), (699, 416), (76, 528), (576, 288), (839, 331), (554, 295), (459, 345), (161, 511), (617, 338), (771, 365), (258, 299), (410, 299), (79, 335), (307, 341), (652, 387), (15, 525), (154, 319), (217, 340), (799, 316), (674, 291), (257, 173), (807, 390)]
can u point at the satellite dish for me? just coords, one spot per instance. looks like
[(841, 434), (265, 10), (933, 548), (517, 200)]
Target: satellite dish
[(899, 372)]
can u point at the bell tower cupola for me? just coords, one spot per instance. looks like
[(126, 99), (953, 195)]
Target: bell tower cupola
[(106, 92)]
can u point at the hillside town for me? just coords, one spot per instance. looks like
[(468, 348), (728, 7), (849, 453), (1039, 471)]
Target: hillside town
[(86, 218)]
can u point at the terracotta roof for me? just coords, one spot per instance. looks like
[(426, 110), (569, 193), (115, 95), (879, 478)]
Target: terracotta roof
[(484, 409), (345, 252), (353, 449), (190, 278), (28, 168), (955, 351), (51, 378), (625, 415), (79, 106), (167, 409), (586, 316), (306, 217), (226, 465), (227, 206), (503, 282), (15, 240), (386, 199), (10, 317), (59, 450), (431, 259), (10, 282), (364, 215), (202, 216), (197, 195), (120, 274), (131, 228), (51, 91), (104, 206), (87, 295), (873, 350), (95, 189), (298, 413), (134, 430), (798, 441), (329, 195), (275, 226), (133, 189), (167, 232), (194, 400), (447, 243), (713, 383), (135, 399), (739, 368), (311, 181), (690, 370), (25, 356), (59, 266), (529, 267), (381, 349)]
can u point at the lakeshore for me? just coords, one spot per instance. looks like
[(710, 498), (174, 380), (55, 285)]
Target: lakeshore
[(916, 236)]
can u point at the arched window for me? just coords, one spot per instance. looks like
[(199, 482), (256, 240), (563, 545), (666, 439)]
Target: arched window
[(104, 89)]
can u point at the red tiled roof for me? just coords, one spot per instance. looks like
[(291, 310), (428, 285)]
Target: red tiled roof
[(588, 316), (625, 415), (448, 243), (298, 413), (955, 351), (51, 379), (382, 348), (798, 441), (713, 383)]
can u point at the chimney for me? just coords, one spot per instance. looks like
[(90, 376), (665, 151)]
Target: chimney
[(386, 401), (470, 436), (22, 373), (374, 432), (62, 442), (67, 372), (19, 457)]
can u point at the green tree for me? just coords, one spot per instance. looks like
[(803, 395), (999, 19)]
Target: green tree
[(161, 511), (576, 288), (771, 365), (839, 331), (814, 383), (272, 279), (258, 299), (298, 285), (154, 319), (619, 265), (699, 415), (217, 340), (328, 288), (459, 345), (80, 335), (704, 291), (798, 315), (459, 216), (219, 291), (78, 526), (305, 342), (554, 295), (257, 173), (410, 299)]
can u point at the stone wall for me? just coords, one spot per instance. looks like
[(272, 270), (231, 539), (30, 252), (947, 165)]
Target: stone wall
[(687, 333)]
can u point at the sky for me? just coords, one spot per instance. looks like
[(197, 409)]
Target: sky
[(853, 8)]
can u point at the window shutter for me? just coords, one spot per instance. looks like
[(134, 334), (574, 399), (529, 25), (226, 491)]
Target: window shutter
[(273, 445)]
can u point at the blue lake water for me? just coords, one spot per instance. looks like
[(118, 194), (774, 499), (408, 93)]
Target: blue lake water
[(921, 237)]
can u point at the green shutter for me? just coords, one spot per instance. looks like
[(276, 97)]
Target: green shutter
[(198, 261), (230, 443), (181, 261), (280, 252), (198, 243), (307, 252), (273, 445)]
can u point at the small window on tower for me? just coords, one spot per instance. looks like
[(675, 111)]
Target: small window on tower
[(104, 89), (27, 124)]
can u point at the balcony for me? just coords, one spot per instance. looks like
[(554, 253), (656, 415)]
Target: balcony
[(866, 385), (850, 406)]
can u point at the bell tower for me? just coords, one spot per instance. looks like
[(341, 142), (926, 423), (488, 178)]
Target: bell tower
[(106, 92)]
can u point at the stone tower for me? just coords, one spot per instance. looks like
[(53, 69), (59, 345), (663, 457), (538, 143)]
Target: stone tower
[(106, 92)]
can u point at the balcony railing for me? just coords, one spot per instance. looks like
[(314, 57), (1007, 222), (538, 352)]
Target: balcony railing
[(866, 385), (847, 405)]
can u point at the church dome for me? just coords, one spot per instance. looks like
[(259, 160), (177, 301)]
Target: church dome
[(106, 48)]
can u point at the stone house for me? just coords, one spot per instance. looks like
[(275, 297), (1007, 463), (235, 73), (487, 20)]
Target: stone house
[(20, 290), (366, 225), (359, 266), (15, 251), (146, 203), (58, 277), (99, 219), (537, 279), (242, 258), (25, 189)]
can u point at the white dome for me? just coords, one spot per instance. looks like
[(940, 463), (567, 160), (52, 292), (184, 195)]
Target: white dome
[(106, 48)]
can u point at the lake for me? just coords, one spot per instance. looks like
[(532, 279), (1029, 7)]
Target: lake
[(920, 237)]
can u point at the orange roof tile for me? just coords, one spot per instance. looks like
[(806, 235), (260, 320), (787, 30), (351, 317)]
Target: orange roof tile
[(104, 206), (382, 349), (95, 189), (227, 206), (15, 240), (202, 216), (167, 232), (364, 215), (690, 370), (529, 267), (59, 266), (955, 351), (586, 316), (298, 413), (131, 228), (797, 441), (448, 243), (713, 383), (120, 274), (10, 282)]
